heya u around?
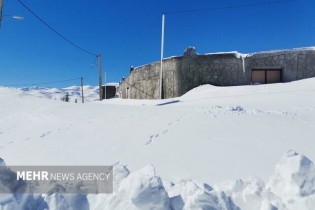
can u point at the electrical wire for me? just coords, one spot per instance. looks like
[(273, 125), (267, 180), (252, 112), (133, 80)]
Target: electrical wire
[(58, 81), (5, 3), (59, 34), (43, 83), (134, 44), (92, 67), (124, 80), (65, 39), (232, 7)]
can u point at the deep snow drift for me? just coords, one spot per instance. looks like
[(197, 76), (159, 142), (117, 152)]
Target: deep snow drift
[(291, 187), (210, 135)]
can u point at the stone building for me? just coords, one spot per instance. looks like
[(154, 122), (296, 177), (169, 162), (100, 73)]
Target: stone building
[(110, 89), (183, 73)]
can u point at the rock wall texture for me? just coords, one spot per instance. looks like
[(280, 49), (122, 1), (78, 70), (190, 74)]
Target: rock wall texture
[(183, 73)]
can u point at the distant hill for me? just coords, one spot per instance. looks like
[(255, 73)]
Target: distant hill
[(91, 93)]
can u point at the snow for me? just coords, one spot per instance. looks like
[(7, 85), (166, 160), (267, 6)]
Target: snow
[(140, 190), (244, 55), (112, 84), (292, 49), (91, 93), (290, 187), (294, 176), (236, 53), (174, 153), (191, 196)]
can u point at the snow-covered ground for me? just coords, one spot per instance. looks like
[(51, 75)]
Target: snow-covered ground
[(74, 92), (175, 153)]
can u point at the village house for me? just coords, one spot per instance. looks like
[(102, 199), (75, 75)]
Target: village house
[(183, 73)]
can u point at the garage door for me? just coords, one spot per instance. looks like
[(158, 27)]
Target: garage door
[(266, 76), (258, 77), (273, 76)]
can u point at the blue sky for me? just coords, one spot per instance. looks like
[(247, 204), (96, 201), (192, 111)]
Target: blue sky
[(128, 32)]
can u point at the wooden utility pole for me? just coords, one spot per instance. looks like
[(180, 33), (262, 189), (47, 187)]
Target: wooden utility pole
[(82, 90), (100, 75)]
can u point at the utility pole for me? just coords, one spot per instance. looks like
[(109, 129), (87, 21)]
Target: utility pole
[(1, 5), (105, 84), (162, 55), (100, 76), (82, 90)]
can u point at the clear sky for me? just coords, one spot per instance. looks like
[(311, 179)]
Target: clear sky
[(128, 32)]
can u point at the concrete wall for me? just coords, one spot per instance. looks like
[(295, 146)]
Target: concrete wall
[(181, 74)]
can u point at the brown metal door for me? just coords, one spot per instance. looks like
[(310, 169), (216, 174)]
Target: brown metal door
[(258, 76), (273, 76)]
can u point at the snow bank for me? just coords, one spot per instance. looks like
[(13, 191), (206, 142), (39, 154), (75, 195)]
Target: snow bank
[(291, 187), (2, 163), (249, 194), (294, 176), (140, 190), (294, 181), (189, 195)]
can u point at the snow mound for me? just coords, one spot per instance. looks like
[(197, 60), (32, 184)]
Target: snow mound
[(140, 190), (249, 194), (120, 172), (194, 197), (291, 187), (200, 90), (57, 201), (2, 163), (294, 176)]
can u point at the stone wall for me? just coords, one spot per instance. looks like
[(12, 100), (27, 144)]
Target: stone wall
[(295, 64), (214, 69), (142, 83), (183, 73)]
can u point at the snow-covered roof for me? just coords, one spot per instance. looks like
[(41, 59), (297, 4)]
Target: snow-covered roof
[(237, 54), (292, 49), (112, 84), (243, 55)]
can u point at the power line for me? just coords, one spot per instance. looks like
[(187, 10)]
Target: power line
[(65, 39), (59, 34), (124, 80), (92, 67), (232, 7), (44, 83), (54, 82), (6, 3)]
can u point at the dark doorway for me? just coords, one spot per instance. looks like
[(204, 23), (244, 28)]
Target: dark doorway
[(110, 91)]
